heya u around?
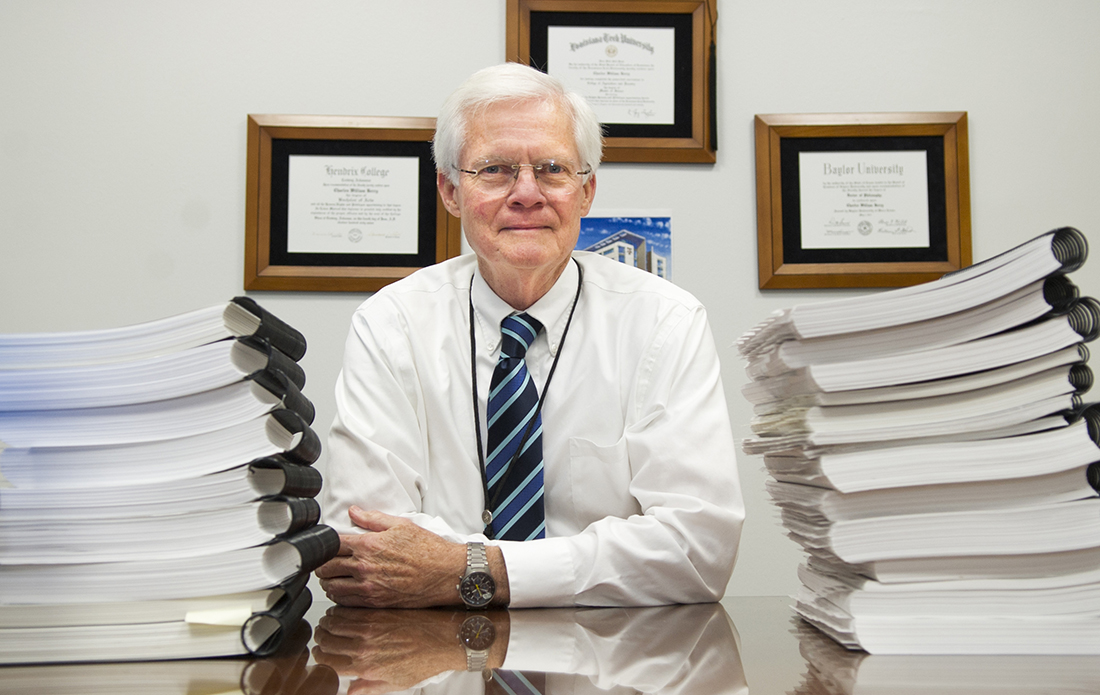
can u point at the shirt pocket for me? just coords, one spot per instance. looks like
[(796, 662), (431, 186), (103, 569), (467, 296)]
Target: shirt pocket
[(600, 477)]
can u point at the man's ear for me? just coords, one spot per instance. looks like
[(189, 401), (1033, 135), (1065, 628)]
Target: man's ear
[(589, 190), (449, 193)]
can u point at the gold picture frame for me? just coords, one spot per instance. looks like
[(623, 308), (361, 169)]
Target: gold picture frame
[(780, 138), (270, 264)]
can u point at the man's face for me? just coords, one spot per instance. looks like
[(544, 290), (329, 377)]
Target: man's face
[(528, 227)]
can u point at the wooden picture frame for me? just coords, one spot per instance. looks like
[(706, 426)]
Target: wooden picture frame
[(275, 258), (784, 256), (686, 130)]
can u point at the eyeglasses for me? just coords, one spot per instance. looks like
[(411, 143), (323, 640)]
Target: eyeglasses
[(498, 176)]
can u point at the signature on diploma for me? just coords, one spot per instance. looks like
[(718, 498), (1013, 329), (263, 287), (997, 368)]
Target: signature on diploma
[(641, 113), (838, 226), (895, 226)]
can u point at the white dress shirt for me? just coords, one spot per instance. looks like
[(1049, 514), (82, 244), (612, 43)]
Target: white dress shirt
[(643, 504)]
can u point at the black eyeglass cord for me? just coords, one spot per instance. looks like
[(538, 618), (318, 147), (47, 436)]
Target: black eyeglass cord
[(487, 515)]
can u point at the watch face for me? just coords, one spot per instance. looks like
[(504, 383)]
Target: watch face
[(477, 589), (477, 633)]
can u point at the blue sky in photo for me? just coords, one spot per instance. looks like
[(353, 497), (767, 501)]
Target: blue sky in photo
[(656, 230)]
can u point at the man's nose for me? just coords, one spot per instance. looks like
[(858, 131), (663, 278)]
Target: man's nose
[(526, 186)]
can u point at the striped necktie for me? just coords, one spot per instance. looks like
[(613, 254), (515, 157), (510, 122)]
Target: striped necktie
[(516, 683), (514, 476)]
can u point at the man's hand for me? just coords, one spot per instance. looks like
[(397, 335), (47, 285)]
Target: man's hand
[(396, 565), (390, 650)]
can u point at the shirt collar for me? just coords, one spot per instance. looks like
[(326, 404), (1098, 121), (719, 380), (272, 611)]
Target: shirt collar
[(551, 310)]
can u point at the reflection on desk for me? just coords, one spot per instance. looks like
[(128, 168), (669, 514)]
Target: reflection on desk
[(673, 649), (747, 645), (669, 649), (834, 670)]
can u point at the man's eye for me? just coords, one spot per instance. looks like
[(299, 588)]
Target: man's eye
[(553, 168), (492, 170)]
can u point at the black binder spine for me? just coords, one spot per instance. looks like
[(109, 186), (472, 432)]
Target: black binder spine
[(1080, 377), (1091, 415), (308, 449), (1084, 317), (293, 586), (1060, 292), (1070, 247), (299, 480), (277, 360), (277, 331), (304, 513), (280, 386), (316, 546), (287, 617)]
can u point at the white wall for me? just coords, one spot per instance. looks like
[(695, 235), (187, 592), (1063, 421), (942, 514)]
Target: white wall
[(122, 147)]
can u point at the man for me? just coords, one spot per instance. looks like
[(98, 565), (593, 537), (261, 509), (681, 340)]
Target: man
[(633, 498)]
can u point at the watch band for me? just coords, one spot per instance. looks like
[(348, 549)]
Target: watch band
[(477, 560), (477, 661)]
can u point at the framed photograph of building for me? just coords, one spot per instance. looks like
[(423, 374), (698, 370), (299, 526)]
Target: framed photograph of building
[(861, 200), (647, 68), (642, 240), (345, 204)]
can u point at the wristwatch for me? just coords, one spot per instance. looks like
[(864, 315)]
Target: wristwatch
[(477, 635), (476, 587)]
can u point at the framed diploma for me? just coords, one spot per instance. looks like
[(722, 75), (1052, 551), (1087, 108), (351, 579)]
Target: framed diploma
[(344, 204), (861, 200), (645, 66)]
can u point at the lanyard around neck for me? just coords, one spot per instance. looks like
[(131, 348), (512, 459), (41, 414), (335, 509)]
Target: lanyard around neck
[(487, 514)]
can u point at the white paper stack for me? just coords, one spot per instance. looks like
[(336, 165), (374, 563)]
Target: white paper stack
[(930, 449), (156, 492), (832, 670)]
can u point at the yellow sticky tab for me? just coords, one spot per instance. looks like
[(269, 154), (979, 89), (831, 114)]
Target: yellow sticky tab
[(234, 615)]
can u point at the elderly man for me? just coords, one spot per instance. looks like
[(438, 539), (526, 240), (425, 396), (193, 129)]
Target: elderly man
[(530, 425)]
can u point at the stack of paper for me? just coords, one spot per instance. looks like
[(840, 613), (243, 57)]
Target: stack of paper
[(930, 450), (832, 670), (288, 672), (156, 489)]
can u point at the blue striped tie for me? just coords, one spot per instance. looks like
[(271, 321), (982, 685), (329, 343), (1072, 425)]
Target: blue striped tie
[(516, 683), (515, 491)]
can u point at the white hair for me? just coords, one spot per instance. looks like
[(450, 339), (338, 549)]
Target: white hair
[(511, 82)]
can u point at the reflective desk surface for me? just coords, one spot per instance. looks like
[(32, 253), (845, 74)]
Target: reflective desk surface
[(741, 645)]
